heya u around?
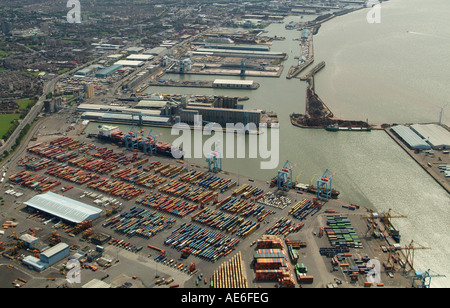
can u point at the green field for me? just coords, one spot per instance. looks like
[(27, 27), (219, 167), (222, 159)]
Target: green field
[(23, 103), (5, 122)]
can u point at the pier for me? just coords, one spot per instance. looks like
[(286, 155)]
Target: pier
[(314, 71), (198, 84)]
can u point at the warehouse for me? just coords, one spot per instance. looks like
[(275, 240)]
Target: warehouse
[(130, 63), (55, 253), (157, 51), (135, 50), (146, 104), (98, 108), (140, 57), (410, 138), (127, 118), (65, 208), (224, 116), (88, 70), (233, 84), (48, 257), (437, 136), (244, 53), (108, 71)]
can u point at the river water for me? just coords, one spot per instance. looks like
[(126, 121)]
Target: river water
[(374, 71)]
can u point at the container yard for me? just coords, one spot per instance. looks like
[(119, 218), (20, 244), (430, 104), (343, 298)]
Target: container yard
[(190, 227)]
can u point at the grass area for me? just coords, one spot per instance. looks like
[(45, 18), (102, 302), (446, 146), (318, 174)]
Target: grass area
[(5, 122), (3, 54), (34, 74), (63, 71), (23, 103)]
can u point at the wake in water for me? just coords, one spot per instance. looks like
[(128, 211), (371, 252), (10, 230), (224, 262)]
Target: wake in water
[(426, 34)]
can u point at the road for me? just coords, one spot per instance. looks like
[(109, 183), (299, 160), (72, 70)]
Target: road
[(36, 109)]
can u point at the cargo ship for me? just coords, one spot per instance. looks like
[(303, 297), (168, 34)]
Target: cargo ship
[(337, 128), (306, 188), (114, 135)]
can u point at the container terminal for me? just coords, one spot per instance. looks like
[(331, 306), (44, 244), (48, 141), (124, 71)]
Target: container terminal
[(152, 221)]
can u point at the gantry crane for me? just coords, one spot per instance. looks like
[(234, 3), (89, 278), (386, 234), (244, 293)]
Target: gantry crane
[(242, 73), (386, 217), (423, 280), (410, 253), (131, 139), (324, 186), (148, 144), (296, 178), (284, 177), (214, 160)]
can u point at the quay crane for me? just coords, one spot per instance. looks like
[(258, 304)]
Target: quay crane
[(423, 280), (386, 217), (410, 253), (148, 144), (284, 177), (324, 186), (296, 178), (242, 73), (131, 139), (214, 160)]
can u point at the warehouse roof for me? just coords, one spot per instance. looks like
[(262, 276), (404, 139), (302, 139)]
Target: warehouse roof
[(63, 207), (151, 104), (436, 135), (110, 70), (234, 82), (140, 57), (130, 63), (96, 284), (410, 137), (54, 250), (156, 51)]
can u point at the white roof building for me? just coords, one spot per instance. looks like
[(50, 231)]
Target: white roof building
[(437, 136), (63, 207), (130, 63), (140, 57)]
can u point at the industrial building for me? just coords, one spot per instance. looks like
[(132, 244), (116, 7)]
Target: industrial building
[(239, 47), (233, 84), (157, 51), (31, 242), (408, 136), (108, 71), (102, 109), (55, 253), (140, 57), (88, 70), (89, 90), (305, 34), (244, 53), (222, 116), (64, 208), (147, 104), (111, 117), (48, 257), (130, 63), (135, 50), (437, 136), (115, 56)]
